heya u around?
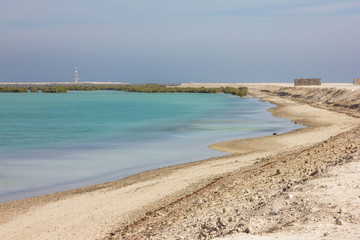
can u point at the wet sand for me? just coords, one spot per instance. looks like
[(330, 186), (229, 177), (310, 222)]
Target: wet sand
[(127, 208)]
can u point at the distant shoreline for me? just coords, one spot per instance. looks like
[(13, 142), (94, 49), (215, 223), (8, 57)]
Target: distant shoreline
[(59, 83)]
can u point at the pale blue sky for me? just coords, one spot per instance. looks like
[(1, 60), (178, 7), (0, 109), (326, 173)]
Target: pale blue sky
[(176, 41)]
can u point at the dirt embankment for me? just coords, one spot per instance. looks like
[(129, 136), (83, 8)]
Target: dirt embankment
[(339, 100)]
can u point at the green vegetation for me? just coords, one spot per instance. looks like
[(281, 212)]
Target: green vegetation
[(148, 88), (34, 89), (56, 89), (13, 89)]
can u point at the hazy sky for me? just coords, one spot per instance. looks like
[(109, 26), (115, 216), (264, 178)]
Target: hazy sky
[(172, 41)]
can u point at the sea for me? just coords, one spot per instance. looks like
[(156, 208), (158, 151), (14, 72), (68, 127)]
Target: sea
[(53, 142)]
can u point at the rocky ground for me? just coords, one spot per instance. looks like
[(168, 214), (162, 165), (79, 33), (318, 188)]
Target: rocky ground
[(295, 194)]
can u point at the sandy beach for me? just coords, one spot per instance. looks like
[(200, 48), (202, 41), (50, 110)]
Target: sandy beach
[(302, 184)]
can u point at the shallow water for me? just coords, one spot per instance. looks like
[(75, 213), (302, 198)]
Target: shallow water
[(54, 142)]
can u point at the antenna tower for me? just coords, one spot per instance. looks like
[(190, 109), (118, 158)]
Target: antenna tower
[(76, 76)]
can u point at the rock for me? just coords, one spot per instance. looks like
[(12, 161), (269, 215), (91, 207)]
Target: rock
[(277, 172), (247, 230), (339, 221), (340, 211), (314, 172), (273, 213), (290, 196), (202, 235), (221, 223)]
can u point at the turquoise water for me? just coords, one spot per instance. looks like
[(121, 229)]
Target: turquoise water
[(54, 142)]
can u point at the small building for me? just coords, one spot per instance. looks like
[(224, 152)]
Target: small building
[(307, 81), (356, 81)]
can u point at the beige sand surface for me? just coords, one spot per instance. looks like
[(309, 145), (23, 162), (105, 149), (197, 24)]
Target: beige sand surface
[(105, 211)]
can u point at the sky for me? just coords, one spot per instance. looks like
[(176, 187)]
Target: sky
[(176, 41)]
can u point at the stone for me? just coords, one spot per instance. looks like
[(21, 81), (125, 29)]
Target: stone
[(339, 221), (221, 222), (247, 230), (314, 172), (340, 211), (307, 81)]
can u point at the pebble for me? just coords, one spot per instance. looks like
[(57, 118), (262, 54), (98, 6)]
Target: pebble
[(340, 211), (221, 222), (314, 172), (247, 230), (339, 221)]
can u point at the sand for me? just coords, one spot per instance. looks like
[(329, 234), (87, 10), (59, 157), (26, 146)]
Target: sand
[(152, 204)]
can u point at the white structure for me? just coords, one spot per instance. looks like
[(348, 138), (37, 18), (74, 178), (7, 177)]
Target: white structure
[(76, 76)]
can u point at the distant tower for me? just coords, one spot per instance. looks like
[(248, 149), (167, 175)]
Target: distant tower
[(76, 76)]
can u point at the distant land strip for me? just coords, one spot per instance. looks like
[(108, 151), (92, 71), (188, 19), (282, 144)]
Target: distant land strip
[(148, 88)]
